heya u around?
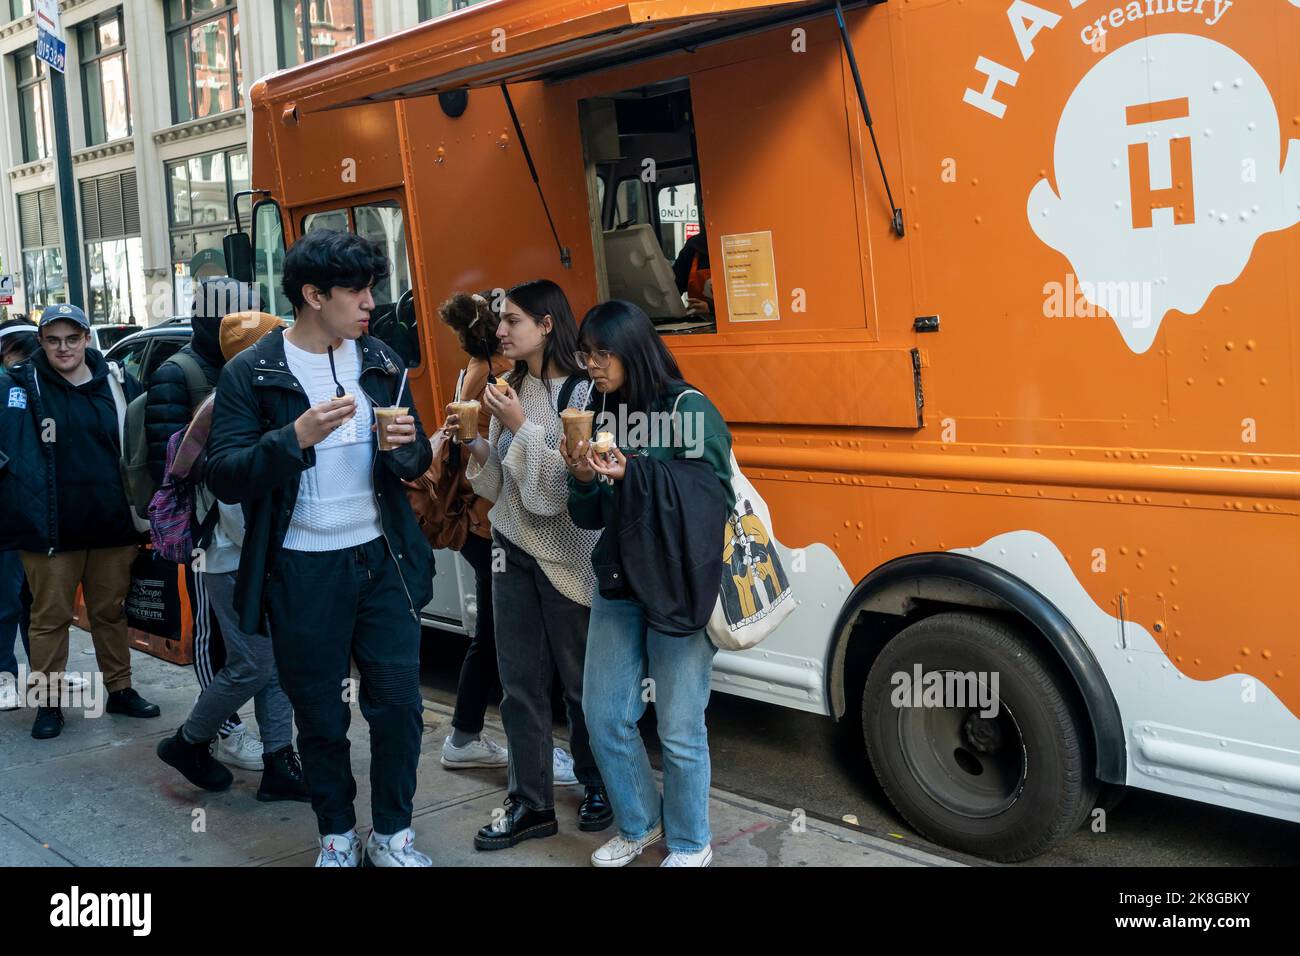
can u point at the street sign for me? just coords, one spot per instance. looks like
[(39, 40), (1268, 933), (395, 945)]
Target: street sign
[(51, 49), (50, 45), (6, 290)]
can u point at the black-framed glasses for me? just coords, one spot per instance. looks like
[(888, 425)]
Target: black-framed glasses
[(597, 359), (56, 342)]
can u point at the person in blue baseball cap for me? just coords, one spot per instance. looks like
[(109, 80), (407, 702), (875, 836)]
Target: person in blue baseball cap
[(60, 440)]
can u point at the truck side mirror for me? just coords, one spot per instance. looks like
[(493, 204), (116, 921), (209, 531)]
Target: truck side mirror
[(238, 249)]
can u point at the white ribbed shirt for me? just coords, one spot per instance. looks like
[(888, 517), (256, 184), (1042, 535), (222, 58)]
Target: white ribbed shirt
[(336, 505)]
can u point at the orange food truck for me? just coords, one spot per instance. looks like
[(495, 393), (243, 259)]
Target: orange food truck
[(1000, 300)]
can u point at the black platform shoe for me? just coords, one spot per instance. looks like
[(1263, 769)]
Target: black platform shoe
[(519, 823), (595, 813)]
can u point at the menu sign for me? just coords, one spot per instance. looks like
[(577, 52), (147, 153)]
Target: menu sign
[(750, 270)]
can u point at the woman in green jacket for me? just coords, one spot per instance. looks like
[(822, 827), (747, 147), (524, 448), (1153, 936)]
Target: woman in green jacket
[(639, 385)]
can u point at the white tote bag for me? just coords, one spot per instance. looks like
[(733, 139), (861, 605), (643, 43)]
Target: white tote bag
[(755, 596)]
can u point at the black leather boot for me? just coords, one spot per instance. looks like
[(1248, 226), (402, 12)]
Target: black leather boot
[(129, 703), (595, 813), (282, 777), (519, 823), (49, 723), (195, 762)]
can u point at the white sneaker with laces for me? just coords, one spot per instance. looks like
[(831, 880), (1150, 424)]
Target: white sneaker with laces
[(396, 850), (562, 770), (700, 858), (241, 749), (621, 851), (340, 849), (8, 691), (483, 752)]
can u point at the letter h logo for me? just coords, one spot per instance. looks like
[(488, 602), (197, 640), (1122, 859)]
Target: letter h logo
[(1146, 199)]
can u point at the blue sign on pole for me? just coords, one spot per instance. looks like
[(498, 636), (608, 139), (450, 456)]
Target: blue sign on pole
[(51, 49)]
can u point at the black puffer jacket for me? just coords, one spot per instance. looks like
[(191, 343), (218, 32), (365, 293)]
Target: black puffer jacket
[(254, 460), (168, 408), (60, 485)]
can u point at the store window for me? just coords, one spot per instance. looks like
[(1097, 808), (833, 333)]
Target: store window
[(310, 29), (42, 251), (35, 118), (203, 58), (110, 219), (102, 42), (428, 9), (201, 213)]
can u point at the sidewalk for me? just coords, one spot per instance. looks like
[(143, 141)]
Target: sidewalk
[(99, 796)]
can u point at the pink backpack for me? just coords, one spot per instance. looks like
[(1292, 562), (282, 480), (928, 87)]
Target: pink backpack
[(172, 522)]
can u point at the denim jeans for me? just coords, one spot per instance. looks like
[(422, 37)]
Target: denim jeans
[(327, 608), (621, 653), (15, 610), (248, 673)]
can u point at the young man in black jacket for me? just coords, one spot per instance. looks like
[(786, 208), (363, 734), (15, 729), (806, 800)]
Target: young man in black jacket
[(170, 404), (65, 508), (333, 556)]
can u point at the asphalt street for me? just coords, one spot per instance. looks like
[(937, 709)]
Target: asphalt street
[(802, 761)]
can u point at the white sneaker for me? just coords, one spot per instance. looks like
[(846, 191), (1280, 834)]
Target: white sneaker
[(339, 849), (621, 851), (8, 692), (562, 770), (241, 749), (73, 682), (483, 752), (396, 850), (701, 858)]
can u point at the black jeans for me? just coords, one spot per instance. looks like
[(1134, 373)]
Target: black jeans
[(324, 608), (478, 673), (538, 629)]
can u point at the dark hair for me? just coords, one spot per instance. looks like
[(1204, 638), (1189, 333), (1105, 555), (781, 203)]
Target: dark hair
[(538, 299), (649, 368), (474, 321), (328, 259), (26, 342)]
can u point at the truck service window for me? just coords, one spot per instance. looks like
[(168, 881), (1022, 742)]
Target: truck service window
[(651, 228)]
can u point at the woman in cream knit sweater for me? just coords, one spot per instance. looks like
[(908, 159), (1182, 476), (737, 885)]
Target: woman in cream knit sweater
[(543, 581)]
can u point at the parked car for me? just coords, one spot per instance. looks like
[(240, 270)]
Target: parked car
[(104, 336), (144, 350)]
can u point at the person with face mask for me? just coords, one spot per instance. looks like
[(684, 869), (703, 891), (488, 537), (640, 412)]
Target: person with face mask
[(18, 343), (541, 595), (66, 509)]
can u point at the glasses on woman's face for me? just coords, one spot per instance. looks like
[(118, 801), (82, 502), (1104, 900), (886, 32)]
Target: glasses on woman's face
[(54, 343), (597, 359)]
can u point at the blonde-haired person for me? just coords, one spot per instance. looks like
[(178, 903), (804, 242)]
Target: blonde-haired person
[(249, 671)]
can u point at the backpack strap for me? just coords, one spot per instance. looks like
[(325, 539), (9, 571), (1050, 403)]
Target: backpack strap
[(566, 391), (196, 382), (203, 536)]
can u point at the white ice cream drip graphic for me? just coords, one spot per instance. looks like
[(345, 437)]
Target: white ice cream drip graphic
[(1166, 158)]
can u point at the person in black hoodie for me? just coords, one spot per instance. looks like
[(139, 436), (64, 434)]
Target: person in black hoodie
[(175, 390), (65, 508), (652, 625)]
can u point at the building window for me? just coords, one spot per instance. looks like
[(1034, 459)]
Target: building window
[(203, 54), (110, 220), (102, 42), (34, 113), (38, 227), (201, 213), (428, 9), (17, 9), (328, 27)]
